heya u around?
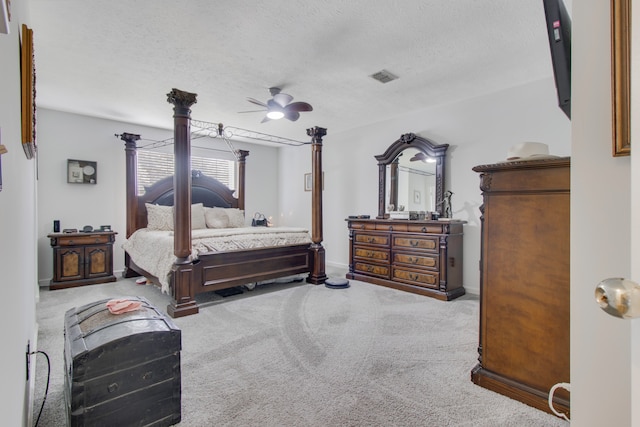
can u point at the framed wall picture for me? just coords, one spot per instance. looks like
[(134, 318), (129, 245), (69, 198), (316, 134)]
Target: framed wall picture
[(621, 76), (82, 172), (28, 92), (308, 181)]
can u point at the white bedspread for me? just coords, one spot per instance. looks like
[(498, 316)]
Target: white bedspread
[(152, 250)]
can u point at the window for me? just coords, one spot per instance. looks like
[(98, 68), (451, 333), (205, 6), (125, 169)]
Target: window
[(153, 166)]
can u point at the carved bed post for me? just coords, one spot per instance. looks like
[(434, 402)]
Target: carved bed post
[(182, 177), (242, 158), (131, 191), (317, 274), (393, 188), (184, 271), (131, 165)]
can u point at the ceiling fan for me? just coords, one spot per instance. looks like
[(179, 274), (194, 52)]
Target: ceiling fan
[(280, 106), (421, 157)]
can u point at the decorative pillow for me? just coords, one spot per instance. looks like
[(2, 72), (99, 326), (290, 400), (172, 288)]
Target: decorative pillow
[(197, 217), (236, 217), (159, 217), (216, 218)]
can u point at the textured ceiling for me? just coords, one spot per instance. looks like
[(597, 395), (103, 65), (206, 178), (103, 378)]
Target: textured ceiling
[(118, 59)]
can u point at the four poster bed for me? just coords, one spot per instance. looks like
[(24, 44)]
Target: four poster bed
[(203, 259)]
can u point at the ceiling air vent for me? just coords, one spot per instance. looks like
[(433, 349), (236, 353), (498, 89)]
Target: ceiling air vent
[(384, 76)]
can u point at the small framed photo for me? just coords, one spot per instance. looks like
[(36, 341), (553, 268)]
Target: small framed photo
[(416, 197), (82, 172), (308, 181)]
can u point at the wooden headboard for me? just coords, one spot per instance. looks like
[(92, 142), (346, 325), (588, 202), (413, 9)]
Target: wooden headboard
[(204, 189)]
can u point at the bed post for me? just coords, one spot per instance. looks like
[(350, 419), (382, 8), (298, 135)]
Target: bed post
[(183, 270), (131, 191), (242, 160), (317, 275)]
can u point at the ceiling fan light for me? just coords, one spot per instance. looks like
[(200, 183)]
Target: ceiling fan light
[(275, 115), (431, 160)]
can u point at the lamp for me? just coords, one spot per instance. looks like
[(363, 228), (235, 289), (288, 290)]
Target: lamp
[(275, 114)]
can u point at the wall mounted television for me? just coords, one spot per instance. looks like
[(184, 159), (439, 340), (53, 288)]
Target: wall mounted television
[(559, 33)]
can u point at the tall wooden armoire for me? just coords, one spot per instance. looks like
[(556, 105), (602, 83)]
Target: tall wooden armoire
[(524, 288)]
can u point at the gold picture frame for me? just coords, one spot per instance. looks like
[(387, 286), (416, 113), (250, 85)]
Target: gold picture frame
[(28, 94), (621, 76)]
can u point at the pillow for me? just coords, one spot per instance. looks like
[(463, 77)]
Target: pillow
[(198, 220), (159, 217), (216, 218), (236, 217)]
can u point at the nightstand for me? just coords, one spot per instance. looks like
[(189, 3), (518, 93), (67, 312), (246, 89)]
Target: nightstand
[(82, 259)]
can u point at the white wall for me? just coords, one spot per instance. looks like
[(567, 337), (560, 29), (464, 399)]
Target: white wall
[(479, 131), (17, 236), (65, 136)]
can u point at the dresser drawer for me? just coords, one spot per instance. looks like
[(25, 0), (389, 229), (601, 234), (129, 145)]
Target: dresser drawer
[(427, 279), (371, 239), (89, 239), (368, 253), (371, 269), (419, 261), (427, 243)]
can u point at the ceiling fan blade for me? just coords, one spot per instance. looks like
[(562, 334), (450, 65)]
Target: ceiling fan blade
[(299, 106), (255, 101), (418, 157), (282, 99), (291, 115), (252, 111)]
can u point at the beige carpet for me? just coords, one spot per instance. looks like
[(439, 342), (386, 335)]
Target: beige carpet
[(303, 355)]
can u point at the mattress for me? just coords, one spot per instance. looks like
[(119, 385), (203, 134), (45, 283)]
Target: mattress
[(152, 250)]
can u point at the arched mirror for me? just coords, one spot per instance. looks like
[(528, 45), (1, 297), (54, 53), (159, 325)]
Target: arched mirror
[(411, 176)]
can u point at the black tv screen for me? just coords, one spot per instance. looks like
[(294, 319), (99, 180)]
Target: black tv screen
[(559, 32)]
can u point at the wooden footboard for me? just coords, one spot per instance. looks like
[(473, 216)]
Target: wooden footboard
[(215, 271)]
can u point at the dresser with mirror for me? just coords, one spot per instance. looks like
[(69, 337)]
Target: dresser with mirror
[(404, 247)]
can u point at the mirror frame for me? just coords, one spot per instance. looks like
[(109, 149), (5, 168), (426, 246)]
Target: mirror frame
[(428, 147)]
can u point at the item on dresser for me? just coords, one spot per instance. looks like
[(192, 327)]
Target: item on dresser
[(524, 280), (423, 257), (399, 214), (70, 230)]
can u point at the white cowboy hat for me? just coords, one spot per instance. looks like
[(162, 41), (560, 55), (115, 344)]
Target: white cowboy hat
[(529, 151)]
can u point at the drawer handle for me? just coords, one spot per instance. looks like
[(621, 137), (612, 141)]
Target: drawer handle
[(371, 240), (97, 240), (71, 242), (414, 260), (414, 277), (414, 243)]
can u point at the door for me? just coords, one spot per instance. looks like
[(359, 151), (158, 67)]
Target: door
[(601, 229)]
